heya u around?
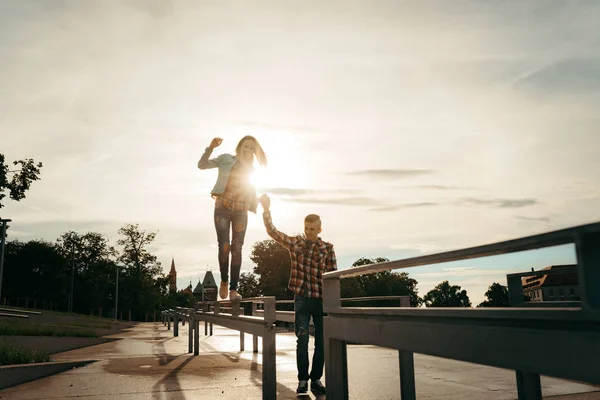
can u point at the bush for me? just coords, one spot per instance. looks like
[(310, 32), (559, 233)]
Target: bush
[(10, 355)]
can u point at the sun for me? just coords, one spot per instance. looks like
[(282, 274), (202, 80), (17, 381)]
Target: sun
[(285, 169)]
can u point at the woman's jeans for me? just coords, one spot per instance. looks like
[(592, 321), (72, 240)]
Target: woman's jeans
[(304, 308), (236, 221)]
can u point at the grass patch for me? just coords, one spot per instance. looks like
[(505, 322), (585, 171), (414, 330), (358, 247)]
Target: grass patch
[(10, 355), (20, 329)]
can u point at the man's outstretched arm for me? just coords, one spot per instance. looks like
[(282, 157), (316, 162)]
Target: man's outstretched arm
[(279, 237)]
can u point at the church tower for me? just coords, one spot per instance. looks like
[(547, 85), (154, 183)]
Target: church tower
[(172, 278)]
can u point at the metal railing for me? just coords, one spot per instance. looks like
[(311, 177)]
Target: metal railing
[(512, 338), (258, 326), (261, 323)]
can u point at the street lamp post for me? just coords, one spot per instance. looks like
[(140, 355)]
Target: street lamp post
[(3, 240), (72, 276)]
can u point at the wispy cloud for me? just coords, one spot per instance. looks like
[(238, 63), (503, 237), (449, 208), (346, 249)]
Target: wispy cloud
[(282, 191), (344, 201), (460, 271), (403, 206), (533, 219), (437, 187), (501, 203), (391, 173), (568, 75)]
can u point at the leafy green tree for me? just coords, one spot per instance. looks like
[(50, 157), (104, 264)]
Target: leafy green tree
[(248, 285), (385, 283), (273, 265), (94, 274), (446, 295), (35, 270), (21, 179), (497, 296), (141, 271)]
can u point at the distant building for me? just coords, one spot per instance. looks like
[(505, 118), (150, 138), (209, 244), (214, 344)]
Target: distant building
[(173, 278), (210, 287), (188, 290), (199, 291), (559, 287)]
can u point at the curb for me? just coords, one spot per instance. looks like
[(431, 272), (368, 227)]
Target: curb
[(11, 375)]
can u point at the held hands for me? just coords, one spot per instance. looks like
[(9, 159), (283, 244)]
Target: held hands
[(215, 142), (265, 202)]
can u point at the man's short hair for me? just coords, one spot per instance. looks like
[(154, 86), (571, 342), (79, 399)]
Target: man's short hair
[(312, 218)]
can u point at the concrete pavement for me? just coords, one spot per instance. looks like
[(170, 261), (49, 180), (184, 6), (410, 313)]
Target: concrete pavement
[(149, 363)]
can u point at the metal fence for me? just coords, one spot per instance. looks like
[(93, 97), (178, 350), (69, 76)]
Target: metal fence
[(261, 323), (516, 338)]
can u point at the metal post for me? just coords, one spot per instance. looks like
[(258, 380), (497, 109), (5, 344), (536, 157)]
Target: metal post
[(3, 240), (72, 276), (196, 337), (528, 386), (269, 374), (191, 326), (407, 375), (117, 292)]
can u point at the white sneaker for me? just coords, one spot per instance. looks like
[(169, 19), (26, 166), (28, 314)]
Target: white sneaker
[(234, 295), (223, 290)]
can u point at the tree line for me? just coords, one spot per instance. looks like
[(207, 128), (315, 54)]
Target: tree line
[(272, 270), (78, 272)]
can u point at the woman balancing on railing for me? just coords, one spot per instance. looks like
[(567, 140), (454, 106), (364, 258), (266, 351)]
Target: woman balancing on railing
[(234, 196)]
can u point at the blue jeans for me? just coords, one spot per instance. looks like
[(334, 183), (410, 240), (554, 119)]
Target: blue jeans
[(304, 308), (227, 220)]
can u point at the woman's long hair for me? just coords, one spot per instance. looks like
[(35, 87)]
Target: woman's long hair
[(259, 153)]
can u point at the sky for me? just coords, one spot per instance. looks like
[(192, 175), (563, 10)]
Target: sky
[(411, 127)]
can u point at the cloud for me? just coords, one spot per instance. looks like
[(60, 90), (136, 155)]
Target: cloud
[(502, 203), (569, 75), (298, 192), (276, 127), (402, 206), (533, 219), (438, 187), (462, 272), (458, 268), (344, 201), (391, 173)]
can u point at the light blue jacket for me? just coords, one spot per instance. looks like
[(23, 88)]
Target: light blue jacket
[(225, 163)]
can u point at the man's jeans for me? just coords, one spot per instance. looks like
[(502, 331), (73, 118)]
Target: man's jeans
[(236, 221), (304, 308)]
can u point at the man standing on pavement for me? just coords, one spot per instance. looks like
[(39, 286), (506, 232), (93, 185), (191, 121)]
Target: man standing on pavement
[(310, 257)]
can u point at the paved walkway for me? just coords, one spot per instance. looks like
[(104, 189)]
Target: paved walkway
[(149, 363)]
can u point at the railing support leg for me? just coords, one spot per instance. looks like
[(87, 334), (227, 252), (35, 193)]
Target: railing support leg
[(269, 373), (196, 337), (529, 386), (407, 375), (191, 326), (336, 368)]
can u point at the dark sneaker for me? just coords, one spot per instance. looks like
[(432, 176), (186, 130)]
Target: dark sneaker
[(302, 387), (317, 387)]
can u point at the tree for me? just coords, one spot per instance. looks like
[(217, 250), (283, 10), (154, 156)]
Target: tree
[(21, 179), (497, 296), (94, 269), (273, 264), (248, 285), (142, 272), (35, 270), (445, 295), (385, 283)]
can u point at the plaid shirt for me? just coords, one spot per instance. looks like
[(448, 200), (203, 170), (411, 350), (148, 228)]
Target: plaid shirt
[(238, 195), (309, 260)]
